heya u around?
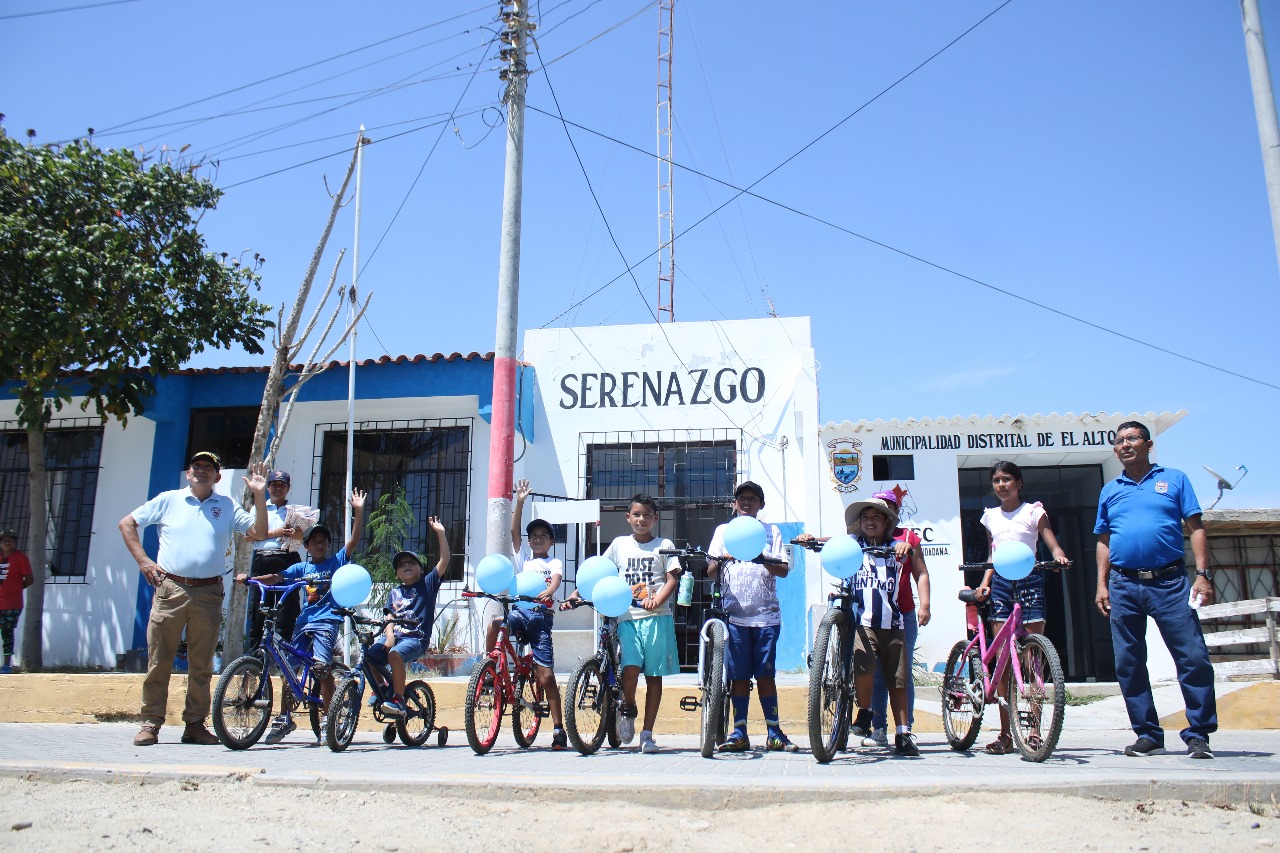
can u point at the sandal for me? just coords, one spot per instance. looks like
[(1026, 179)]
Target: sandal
[(1034, 741), (1000, 746)]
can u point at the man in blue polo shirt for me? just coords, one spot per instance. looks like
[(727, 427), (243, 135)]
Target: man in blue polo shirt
[(1142, 571), (196, 525)]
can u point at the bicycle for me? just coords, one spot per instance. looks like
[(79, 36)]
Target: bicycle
[(243, 698), (975, 671), (344, 711), (595, 690), (713, 669), (831, 676), (492, 688)]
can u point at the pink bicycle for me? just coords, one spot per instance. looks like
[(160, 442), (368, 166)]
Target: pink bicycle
[(1025, 664)]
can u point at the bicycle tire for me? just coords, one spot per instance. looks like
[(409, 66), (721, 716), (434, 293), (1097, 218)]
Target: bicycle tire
[(314, 709), (587, 711), (242, 703), (524, 722), (611, 721), (420, 714), (961, 683), (828, 706), (714, 692), (344, 714), (1035, 717), (484, 707)]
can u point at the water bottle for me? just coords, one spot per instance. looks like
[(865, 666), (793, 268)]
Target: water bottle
[(685, 596)]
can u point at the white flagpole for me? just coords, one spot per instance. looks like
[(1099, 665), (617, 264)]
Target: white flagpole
[(351, 370)]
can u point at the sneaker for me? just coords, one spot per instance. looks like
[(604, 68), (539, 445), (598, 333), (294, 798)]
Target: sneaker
[(905, 744), (648, 746), (627, 723), (558, 740), (735, 743), (1198, 747), (281, 726), (324, 726), (862, 725), (393, 707), (6, 670), (1143, 747), (781, 743), (878, 737)]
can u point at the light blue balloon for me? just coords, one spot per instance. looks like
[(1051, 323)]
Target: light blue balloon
[(744, 538), (842, 556), (590, 573), (529, 582), (1013, 561), (495, 573), (612, 596), (350, 585)]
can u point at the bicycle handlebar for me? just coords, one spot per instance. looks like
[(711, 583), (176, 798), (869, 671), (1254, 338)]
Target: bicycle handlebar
[(506, 599), (815, 545), (1051, 565), (575, 603), (290, 587)]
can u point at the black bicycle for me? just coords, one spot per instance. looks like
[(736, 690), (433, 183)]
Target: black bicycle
[(595, 691), (348, 697)]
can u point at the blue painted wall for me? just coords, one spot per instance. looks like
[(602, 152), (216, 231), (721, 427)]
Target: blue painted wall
[(791, 599)]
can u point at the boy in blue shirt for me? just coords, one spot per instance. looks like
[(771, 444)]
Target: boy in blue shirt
[(414, 601), (317, 624)]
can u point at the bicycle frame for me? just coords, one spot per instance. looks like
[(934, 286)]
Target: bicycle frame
[(1001, 651), (278, 649)]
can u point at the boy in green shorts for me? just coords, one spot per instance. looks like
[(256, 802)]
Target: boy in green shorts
[(646, 634)]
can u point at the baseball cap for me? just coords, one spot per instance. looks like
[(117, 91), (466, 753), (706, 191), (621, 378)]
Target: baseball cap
[(8, 533), (395, 561), (319, 528), (542, 524), (749, 486), (208, 456), (279, 477)]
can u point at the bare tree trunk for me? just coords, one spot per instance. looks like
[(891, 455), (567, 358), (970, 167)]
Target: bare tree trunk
[(37, 530), (233, 646)]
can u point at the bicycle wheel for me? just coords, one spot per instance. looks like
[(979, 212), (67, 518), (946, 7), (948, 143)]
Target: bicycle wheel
[(587, 711), (420, 714), (828, 687), (611, 720), (484, 707), (242, 703), (963, 697), (344, 714), (1035, 709), (314, 710), (524, 720), (714, 691)]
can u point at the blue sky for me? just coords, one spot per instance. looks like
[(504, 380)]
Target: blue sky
[(1099, 158)]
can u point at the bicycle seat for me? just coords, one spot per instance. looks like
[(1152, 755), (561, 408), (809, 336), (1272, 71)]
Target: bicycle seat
[(968, 596)]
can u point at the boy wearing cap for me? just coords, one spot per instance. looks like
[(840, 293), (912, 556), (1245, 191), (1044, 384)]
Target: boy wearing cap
[(750, 594), (272, 554), (317, 624), (15, 576), (414, 601)]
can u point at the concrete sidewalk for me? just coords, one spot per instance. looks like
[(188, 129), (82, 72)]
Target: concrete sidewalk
[(1088, 761)]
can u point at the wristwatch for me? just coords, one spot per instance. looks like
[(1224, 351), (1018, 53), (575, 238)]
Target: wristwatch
[(1207, 574)]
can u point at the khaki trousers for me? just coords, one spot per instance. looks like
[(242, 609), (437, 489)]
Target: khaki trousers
[(199, 611)]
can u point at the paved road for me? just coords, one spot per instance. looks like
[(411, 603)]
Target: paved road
[(1087, 762)]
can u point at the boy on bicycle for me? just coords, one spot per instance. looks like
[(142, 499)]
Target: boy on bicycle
[(750, 594), (646, 634), (317, 624), (534, 626), (414, 601)]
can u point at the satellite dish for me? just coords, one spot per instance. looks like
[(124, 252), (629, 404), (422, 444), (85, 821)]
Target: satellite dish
[(1225, 485)]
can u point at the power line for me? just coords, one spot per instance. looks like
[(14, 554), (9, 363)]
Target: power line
[(65, 9)]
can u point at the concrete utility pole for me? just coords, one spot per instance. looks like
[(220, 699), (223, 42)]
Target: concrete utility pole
[(1264, 106), (515, 17)]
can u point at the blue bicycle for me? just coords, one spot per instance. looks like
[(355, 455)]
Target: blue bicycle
[(243, 699)]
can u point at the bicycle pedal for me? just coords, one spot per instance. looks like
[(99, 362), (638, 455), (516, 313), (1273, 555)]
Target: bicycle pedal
[(690, 703), (262, 703), (541, 710)]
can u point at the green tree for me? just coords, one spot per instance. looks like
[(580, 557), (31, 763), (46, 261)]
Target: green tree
[(108, 284), (389, 526)]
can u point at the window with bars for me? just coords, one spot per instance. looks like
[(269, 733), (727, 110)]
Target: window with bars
[(227, 432), (431, 459), (691, 474), (73, 448)]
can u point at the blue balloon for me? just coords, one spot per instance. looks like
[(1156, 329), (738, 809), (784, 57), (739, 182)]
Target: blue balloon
[(350, 585), (1013, 561), (612, 596), (529, 582), (842, 556), (495, 573), (744, 538), (590, 573)]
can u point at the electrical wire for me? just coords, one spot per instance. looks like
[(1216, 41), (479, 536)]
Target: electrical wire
[(65, 9)]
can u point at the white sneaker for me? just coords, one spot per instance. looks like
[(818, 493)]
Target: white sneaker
[(648, 746), (281, 726), (626, 727), (878, 737)]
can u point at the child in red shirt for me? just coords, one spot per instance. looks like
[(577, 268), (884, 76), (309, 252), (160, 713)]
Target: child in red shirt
[(15, 576)]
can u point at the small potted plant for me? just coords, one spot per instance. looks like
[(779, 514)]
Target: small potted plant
[(446, 655)]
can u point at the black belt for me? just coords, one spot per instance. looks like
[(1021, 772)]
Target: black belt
[(1152, 574)]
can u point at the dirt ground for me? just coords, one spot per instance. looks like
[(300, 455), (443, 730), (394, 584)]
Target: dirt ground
[(177, 815)]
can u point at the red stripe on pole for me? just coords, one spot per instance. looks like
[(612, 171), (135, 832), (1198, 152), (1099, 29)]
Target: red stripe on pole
[(502, 428)]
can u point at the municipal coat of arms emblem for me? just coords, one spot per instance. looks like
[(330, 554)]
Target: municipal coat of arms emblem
[(845, 455)]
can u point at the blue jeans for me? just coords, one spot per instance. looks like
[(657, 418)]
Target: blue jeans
[(880, 697), (1164, 599)]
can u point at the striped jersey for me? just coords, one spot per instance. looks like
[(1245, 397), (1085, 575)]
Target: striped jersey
[(875, 590)]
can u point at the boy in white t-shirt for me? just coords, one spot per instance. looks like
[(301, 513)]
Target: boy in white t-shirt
[(534, 626)]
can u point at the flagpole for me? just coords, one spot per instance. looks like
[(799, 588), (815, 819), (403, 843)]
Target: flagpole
[(351, 342)]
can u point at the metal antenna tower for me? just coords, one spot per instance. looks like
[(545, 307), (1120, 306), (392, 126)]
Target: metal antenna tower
[(666, 212)]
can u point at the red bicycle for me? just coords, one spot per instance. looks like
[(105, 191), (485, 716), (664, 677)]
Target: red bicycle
[(502, 678)]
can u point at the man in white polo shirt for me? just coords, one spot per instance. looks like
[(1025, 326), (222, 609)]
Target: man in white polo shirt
[(196, 525)]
